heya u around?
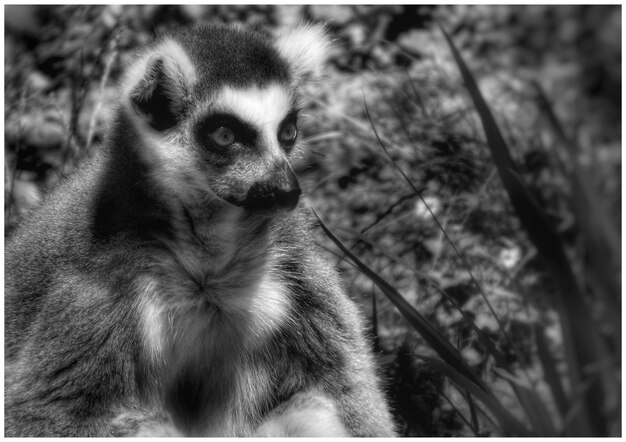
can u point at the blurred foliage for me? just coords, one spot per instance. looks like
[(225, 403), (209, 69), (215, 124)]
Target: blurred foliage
[(61, 69)]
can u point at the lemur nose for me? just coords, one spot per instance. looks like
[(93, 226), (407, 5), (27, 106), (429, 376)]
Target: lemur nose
[(288, 199), (280, 191), (268, 195), (288, 190)]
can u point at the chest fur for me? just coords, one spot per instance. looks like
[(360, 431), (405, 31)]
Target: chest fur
[(210, 304), (203, 343)]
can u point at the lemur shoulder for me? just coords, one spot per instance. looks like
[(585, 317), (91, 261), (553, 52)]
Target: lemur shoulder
[(171, 285)]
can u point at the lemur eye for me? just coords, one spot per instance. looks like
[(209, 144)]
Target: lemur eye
[(288, 133), (223, 136)]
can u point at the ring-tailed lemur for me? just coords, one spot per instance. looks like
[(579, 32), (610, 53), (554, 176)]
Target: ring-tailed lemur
[(171, 285)]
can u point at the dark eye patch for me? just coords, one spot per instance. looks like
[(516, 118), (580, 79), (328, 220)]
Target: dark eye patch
[(244, 133), (292, 117), (288, 129)]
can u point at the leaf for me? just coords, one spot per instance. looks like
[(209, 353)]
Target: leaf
[(462, 257), (582, 342), (509, 424), (430, 334), (535, 410), (550, 373), (598, 231)]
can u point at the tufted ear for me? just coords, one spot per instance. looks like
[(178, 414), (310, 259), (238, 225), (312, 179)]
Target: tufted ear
[(305, 48), (158, 86)]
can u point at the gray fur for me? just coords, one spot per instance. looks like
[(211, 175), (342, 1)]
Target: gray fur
[(113, 240)]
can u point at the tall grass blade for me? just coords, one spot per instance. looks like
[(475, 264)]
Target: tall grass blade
[(538, 415), (471, 425), (416, 96), (441, 228), (602, 244), (598, 231), (486, 418), (582, 342), (375, 337), (482, 336), (472, 409), (462, 374), (430, 334), (534, 408), (550, 373), (509, 424)]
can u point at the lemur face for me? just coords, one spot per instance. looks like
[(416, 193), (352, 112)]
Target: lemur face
[(218, 108), (247, 135)]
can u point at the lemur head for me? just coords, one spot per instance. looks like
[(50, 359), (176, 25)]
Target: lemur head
[(217, 110)]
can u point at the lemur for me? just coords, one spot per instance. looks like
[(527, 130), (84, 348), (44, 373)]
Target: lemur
[(171, 285)]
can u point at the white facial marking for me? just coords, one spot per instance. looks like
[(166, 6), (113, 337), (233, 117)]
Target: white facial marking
[(264, 108)]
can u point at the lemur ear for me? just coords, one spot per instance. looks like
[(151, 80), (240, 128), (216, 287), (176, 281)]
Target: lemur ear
[(305, 48), (158, 85), (157, 96)]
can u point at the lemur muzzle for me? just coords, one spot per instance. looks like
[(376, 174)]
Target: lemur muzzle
[(280, 191)]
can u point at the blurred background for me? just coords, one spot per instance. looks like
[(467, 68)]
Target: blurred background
[(534, 336)]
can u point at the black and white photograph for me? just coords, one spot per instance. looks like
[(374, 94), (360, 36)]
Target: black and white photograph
[(312, 220)]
